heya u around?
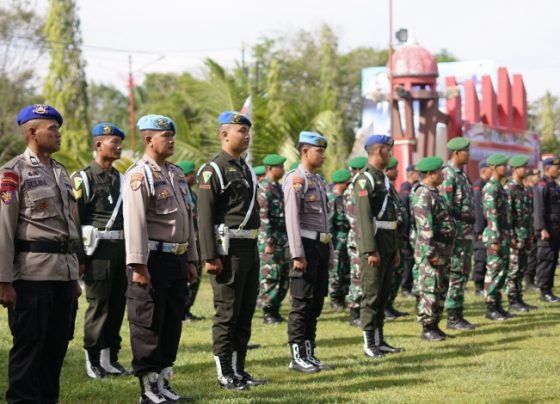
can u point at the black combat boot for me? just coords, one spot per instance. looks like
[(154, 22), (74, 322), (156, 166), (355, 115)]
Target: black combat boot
[(166, 390), (430, 333), (277, 314), (238, 366), (226, 376), (381, 344), (269, 316), (493, 314), (94, 370), (149, 391), (337, 304), (355, 317), (501, 309), (369, 345), (455, 320), (311, 358), (549, 297), (528, 306), (530, 285), (515, 304), (299, 362)]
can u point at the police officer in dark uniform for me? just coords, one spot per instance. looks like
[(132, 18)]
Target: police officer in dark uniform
[(547, 228), (479, 254), (188, 168), (228, 222), (377, 243), (311, 249), (98, 191), (412, 177), (39, 260)]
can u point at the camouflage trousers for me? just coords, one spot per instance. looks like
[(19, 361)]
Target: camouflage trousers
[(459, 269), (431, 285), (273, 278), (518, 261), (354, 296), (339, 276), (496, 271)]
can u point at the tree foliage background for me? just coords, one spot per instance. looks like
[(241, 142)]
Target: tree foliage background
[(295, 82)]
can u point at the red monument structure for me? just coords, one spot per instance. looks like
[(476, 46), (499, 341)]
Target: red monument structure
[(497, 122)]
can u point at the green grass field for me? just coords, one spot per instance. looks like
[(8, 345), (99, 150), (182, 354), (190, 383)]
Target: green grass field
[(513, 361)]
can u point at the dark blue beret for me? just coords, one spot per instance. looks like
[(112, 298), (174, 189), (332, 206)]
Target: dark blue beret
[(107, 129), (38, 111), (410, 167), (234, 117), (378, 139), (551, 161), (482, 164)]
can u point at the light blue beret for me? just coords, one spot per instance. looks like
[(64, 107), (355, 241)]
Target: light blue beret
[(313, 139), (156, 122)]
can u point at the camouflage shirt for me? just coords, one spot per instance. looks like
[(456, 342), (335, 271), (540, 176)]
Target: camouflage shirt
[(497, 211), (434, 227), (273, 222), (457, 192), (521, 211), (339, 226)]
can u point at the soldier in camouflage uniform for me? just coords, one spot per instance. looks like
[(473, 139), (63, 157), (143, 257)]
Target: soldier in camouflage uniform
[(456, 189), (496, 236), (435, 231), (403, 224), (273, 241), (522, 228), (339, 226), (354, 296)]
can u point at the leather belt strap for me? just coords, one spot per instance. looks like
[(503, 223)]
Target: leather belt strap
[(50, 247)]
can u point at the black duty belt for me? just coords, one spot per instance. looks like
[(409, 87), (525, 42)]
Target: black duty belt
[(52, 247)]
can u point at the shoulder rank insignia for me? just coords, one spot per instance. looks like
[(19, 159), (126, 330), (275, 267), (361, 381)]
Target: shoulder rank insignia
[(206, 175), (362, 184)]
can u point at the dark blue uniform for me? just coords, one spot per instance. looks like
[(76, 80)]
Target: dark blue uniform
[(547, 216), (406, 283)]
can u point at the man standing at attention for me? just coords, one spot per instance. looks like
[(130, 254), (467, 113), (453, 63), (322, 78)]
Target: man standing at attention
[(161, 256)]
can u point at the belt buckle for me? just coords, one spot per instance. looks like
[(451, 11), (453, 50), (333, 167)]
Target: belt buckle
[(181, 249), (254, 233), (325, 238)]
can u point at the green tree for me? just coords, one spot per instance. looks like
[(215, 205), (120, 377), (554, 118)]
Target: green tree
[(65, 86), (548, 122), (21, 45), (443, 55)]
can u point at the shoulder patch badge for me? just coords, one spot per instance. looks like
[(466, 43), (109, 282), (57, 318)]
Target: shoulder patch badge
[(206, 175), (7, 197), (362, 183), (136, 181)]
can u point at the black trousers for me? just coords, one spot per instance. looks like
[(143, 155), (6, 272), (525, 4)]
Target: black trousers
[(547, 259), (105, 286), (408, 257), (308, 290), (41, 325), (155, 313), (531, 271), (235, 297), (479, 255), (376, 289)]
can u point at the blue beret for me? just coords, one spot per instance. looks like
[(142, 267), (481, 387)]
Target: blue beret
[(38, 111), (378, 139), (313, 139), (156, 122), (107, 129), (482, 164), (233, 117), (551, 161), (410, 167)]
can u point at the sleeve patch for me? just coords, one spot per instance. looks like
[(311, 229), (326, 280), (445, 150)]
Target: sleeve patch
[(136, 181), (448, 189), (206, 175), (363, 193), (9, 182), (297, 186), (7, 197), (204, 186)]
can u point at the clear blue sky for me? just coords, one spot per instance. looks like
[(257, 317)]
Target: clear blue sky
[(519, 34)]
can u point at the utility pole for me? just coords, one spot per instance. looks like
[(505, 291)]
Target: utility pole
[(132, 114)]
